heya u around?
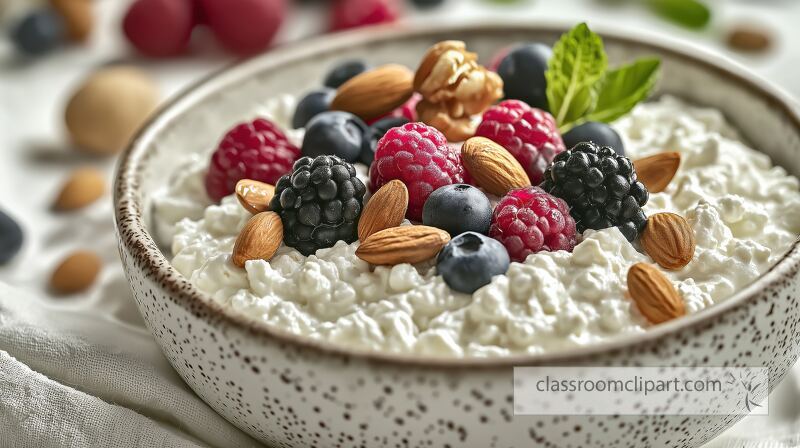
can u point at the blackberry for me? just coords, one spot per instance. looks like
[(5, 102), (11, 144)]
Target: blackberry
[(319, 203), (600, 187)]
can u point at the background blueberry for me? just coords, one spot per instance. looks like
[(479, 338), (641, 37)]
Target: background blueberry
[(470, 260), (427, 3), (344, 71), (334, 133), (10, 238), (38, 32), (523, 70), (458, 208), (592, 131), (313, 103), (374, 133)]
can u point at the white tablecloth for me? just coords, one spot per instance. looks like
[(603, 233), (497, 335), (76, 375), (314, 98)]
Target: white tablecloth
[(83, 370)]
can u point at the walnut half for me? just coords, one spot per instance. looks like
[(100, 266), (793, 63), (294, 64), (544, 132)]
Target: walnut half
[(455, 88)]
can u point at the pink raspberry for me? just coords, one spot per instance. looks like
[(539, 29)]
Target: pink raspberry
[(244, 26), (257, 150), (529, 134), (529, 220), (417, 155), (159, 28), (355, 13)]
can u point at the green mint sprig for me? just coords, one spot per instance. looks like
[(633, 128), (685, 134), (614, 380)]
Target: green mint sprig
[(580, 87)]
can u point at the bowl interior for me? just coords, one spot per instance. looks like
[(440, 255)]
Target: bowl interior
[(194, 121)]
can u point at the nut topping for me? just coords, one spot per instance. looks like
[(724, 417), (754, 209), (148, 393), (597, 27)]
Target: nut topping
[(492, 166), (654, 294), (254, 195), (669, 240), (404, 244), (657, 171), (386, 208), (259, 239)]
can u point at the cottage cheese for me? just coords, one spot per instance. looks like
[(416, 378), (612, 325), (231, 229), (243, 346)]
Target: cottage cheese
[(745, 214)]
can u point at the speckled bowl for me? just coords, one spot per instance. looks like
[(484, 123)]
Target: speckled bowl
[(293, 392)]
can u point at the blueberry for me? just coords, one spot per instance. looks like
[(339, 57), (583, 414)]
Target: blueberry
[(10, 238), (334, 133), (38, 33), (599, 133), (522, 71), (427, 3), (312, 104), (374, 133), (470, 260), (458, 208), (344, 71)]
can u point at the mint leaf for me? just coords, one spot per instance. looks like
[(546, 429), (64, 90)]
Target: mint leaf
[(578, 62), (688, 13), (622, 88)]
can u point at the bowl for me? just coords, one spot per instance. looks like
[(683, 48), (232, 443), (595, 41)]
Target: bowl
[(290, 391)]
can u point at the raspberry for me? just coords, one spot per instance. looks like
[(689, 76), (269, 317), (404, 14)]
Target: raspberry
[(529, 134), (417, 155), (159, 28), (244, 26), (600, 187), (529, 220), (257, 150), (355, 13), (319, 203)]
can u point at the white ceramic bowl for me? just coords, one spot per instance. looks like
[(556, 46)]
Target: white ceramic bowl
[(289, 391)]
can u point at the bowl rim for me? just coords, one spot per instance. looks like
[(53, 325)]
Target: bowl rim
[(138, 241)]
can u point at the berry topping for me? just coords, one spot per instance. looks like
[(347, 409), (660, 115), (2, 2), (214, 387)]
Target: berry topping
[(375, 132), (356, 13), (334, 133), (159, 28), (522, 71), (529, 134), (38, 32), (601, 188), (528, 220), (312, 104), (342, 72), (244, 26), (417, 155), (319, 203), (257, 151), (458, 208), (598, 133), (470, 260)]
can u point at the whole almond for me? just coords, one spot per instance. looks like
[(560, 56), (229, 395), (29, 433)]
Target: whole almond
[(84, 186), (78, 17), (669, 240), (386, 208), (657, 171), (654, 294), (492, 167), (259, 238), (254, 195), (376, 92), (404, 244), (76, 272)]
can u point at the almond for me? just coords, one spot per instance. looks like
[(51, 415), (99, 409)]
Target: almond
[(405, 244), (78, 17), (376, 92), (84, 186), (657, 171), (76, 272), (386, 208), (259, 238), (254, 195), (654, 294), (492, 166), (669, 240)]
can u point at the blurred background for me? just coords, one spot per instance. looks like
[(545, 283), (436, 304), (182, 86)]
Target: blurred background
[(56, 164)]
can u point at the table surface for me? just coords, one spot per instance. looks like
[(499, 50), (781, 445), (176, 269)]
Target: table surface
[(35, 156)]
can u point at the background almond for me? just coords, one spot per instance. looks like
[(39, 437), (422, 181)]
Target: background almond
[(259, 238), (386, 208), (669, 240), (657, 171), (76, 272), (84, 186), (376, 92), (492, 167), (405, 244), (654, 294), (254, 195)]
